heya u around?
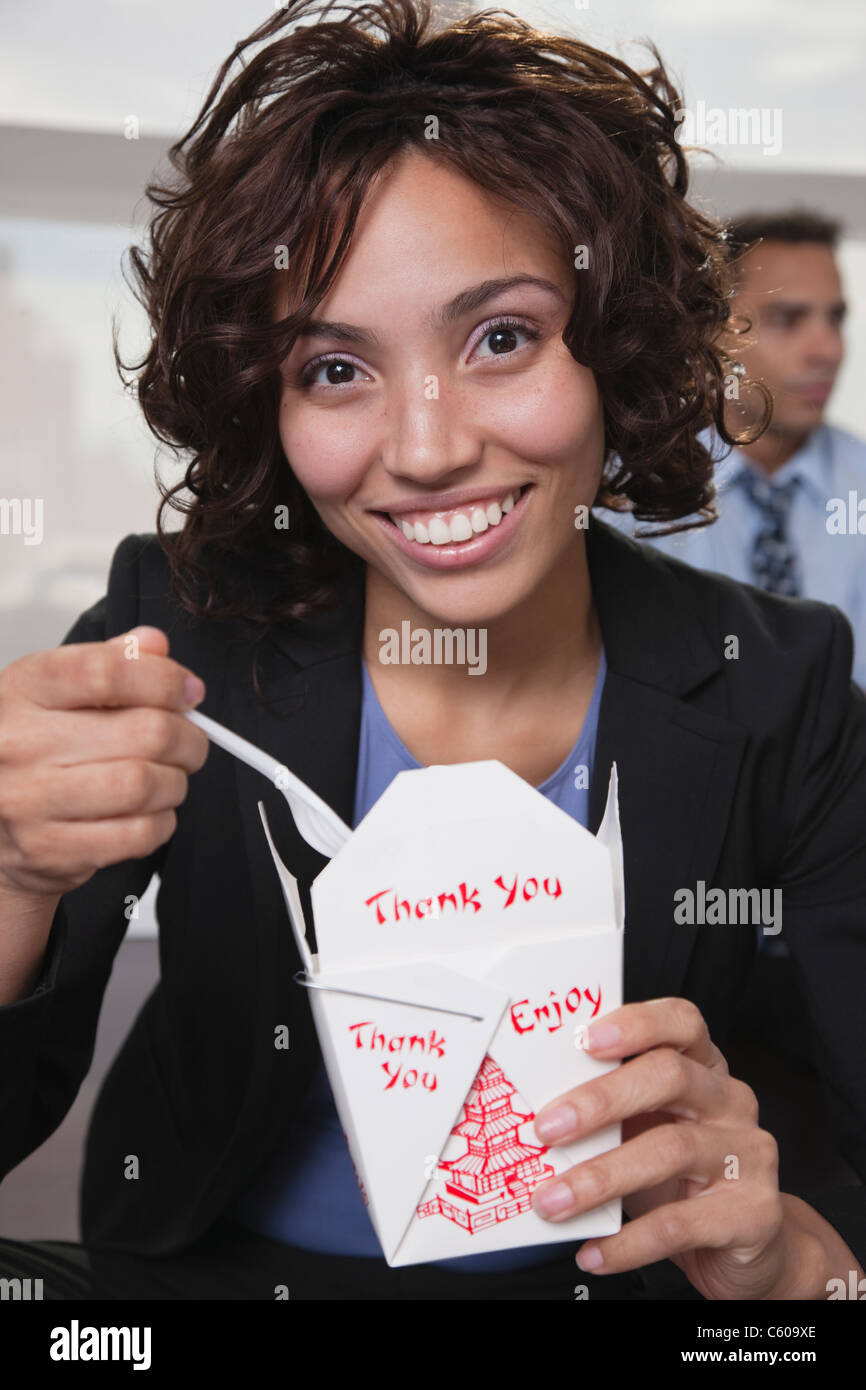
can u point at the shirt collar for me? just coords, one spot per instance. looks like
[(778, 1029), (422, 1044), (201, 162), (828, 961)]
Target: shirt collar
[(811, 464)]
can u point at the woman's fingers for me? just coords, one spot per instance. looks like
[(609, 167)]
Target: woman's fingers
[(95, 755), (701, 1176), (77, 848), (668, 1022), (662, 1079), (746, 1224), (693, 1153), (674, 1066), (67, 738), (126, 787), (88, 675)]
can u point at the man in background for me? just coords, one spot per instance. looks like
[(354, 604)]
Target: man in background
[(787, 519), (786, 524)]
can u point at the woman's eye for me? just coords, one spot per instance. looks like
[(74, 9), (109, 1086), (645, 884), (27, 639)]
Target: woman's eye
[(339, 373), (502, 337)]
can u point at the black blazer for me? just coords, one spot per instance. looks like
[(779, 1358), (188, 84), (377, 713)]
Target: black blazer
[(746, 772)]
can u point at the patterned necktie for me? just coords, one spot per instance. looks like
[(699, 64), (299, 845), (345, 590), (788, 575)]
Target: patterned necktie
[(774, 568), (774, 559)]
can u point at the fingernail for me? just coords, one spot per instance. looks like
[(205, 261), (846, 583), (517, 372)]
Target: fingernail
[(603, 1035), (556, 1123), (551, 1201), (194, 690), (590, 1257)]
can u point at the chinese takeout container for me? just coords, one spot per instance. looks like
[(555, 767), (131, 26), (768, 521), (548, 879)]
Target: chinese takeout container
[(468, 930)]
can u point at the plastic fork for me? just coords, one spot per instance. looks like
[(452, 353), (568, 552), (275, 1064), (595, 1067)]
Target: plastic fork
[(317, 823)]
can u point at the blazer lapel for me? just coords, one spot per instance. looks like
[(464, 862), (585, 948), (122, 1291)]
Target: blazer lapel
[(309, 719), (677, 764)]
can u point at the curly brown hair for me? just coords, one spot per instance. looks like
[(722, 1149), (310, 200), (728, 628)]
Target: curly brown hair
[(284, 156)]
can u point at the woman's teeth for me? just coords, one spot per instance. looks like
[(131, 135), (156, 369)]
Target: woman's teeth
[(463, 526)]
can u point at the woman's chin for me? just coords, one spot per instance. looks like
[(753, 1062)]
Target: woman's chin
[(479, 601)]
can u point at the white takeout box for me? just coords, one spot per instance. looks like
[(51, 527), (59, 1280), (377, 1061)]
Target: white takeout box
[(466, 931)]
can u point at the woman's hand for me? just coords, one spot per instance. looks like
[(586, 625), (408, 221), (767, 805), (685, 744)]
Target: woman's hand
[(699, 1178), (95, 755)]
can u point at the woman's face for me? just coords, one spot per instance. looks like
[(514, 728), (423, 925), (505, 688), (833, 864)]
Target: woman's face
[(410, 406)]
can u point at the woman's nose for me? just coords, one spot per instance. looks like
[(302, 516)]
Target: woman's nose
[(428, 430)]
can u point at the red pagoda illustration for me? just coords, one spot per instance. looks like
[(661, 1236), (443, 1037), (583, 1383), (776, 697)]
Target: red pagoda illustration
[(497, 1173)]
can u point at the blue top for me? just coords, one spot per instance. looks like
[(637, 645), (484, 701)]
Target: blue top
[(826, 524), (307, 1195)]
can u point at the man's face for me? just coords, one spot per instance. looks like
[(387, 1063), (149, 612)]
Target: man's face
[(792, 295), (414, 402)]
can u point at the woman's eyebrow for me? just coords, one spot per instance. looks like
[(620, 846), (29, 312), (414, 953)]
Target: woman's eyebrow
[(462, 303), (473, 298)]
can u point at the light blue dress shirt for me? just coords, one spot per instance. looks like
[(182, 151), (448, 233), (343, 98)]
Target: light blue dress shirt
[(830, 465), (307, 1194)]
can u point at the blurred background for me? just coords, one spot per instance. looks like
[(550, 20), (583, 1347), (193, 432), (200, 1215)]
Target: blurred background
[(90, 98)]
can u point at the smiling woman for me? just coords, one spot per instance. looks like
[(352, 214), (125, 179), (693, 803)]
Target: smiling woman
[(467, 398), (320, 197), (432, 294)]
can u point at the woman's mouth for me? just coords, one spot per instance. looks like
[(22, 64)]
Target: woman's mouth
[(457, 536)]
